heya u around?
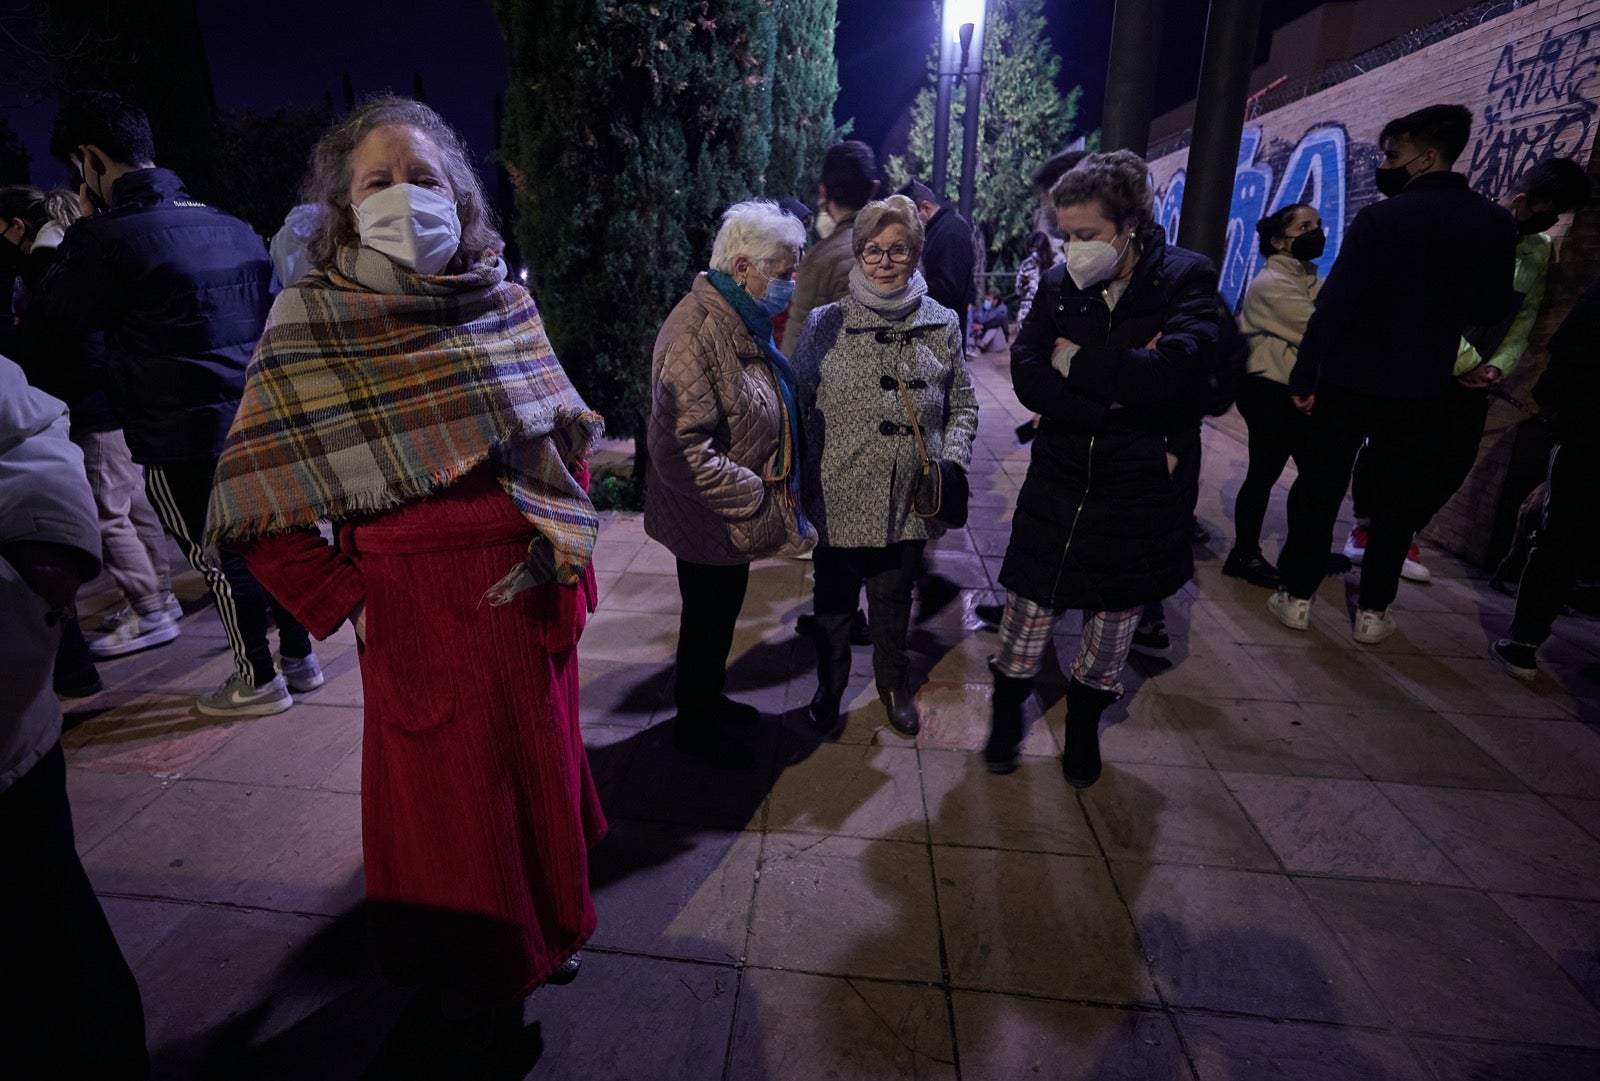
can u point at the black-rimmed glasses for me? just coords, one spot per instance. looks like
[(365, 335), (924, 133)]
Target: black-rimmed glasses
[(872, 255)]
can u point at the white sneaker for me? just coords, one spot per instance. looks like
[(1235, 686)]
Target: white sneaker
[(1292, 612), (302, 674), (135, 633), (239, 697), (117, 616), (1412, 570), (1373, 627)]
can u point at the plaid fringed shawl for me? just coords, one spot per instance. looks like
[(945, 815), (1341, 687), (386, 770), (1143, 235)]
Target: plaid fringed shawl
[(373, 386)]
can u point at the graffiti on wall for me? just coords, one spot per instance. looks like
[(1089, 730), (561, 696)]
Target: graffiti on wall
[(1312, 171), (1542, 99), (1541, 103)]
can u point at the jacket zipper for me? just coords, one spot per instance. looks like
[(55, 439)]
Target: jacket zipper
[(1088, 482)]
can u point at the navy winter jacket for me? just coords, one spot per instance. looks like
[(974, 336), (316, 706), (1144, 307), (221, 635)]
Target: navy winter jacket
[(180, 291), (1415, 271), (1103, 519)]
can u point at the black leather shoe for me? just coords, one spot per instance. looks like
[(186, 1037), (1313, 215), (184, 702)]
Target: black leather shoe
[(566, 971), (1252, 567), (823, 712), (901, 706)]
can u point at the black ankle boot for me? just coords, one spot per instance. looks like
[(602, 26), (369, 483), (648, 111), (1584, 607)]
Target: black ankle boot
[(1080, 757), (832, 639), (1005, 725), (901, 706)]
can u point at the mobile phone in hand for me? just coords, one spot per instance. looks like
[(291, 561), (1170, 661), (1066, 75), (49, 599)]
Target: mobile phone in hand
[(1026, 431)]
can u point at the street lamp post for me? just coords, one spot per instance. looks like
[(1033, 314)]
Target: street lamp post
[(960, 53)]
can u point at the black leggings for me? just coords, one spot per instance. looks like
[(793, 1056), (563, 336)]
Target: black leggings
[(1277, 433)]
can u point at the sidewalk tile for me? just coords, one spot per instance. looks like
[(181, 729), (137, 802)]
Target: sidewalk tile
[(1006, 1037), (674, 891), (1507, 1062), (1569, 931), (847, 907), (1031, 810), (1037, 924), (1172, 813), (1244, 1049), (296, 749), (1448, 962), (1554, 758), (1320, 825), (635, 1017), (102, 802), (285, 849), (850, 790), (1262, 737), (1242, 942), (791, 1024), (1504, 840), (1412, 746)]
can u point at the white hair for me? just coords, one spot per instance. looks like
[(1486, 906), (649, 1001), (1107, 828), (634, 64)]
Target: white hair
[(759, 230)]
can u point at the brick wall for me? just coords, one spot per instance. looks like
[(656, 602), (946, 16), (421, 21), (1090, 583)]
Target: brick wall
[(1532, 79)]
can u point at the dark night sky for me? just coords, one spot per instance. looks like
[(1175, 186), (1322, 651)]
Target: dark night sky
[(291, 51)]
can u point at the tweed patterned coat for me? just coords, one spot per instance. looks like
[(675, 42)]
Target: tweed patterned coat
[(715, 423), (859, 480)]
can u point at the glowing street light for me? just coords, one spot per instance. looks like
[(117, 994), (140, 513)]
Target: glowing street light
[(960, 53)]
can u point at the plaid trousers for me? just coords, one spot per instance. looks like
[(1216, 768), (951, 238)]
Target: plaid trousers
[(1102, 651)]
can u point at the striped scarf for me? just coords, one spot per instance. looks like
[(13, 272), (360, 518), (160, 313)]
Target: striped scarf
[(373, 387)]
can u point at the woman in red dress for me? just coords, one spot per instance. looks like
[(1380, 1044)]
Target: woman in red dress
[(405, 391)]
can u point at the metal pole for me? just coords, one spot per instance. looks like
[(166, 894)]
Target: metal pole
[(1225, 70), (941, 123), (1131, 76), (969, 144)]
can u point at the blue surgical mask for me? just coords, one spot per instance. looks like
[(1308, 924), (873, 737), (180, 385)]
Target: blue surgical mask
[(779, 292)]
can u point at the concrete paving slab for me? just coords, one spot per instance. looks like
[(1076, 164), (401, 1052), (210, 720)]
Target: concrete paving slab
[(1009, 1038), (1034, 923), (1244, 1049), (792, 1024), (1449, 962)]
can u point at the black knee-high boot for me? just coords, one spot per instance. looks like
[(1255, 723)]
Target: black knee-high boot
[(1080, 757), (1005, 724), (832, 640)]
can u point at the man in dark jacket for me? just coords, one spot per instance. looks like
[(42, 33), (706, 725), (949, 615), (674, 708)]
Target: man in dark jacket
[(180, 292), (1415, 271), (1570, 389), (947, 258)]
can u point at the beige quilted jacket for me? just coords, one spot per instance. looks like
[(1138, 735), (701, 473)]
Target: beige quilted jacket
[(715, 422)]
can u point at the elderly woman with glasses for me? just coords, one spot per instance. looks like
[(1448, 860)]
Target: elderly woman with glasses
[(863, 364)]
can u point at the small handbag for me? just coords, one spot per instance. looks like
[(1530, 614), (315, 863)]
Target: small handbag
[(941, 490)]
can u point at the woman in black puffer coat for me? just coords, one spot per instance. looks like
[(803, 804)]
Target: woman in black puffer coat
[(1113, 356)]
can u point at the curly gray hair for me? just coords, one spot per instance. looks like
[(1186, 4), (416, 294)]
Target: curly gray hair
[(327, 184), (758, 229)]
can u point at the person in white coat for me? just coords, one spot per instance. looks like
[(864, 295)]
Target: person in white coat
[(76, 1010)]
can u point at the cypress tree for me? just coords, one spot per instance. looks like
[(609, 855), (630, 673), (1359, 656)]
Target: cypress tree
[(805, 86), (1023, 119), (629, 127)]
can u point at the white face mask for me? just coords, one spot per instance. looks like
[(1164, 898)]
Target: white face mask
[(416, 227), (1090, 262), (825, 225)]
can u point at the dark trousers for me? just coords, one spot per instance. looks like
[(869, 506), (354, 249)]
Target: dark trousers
[(179, 494), (1570, 524), (75, 1009), (712, 596), (1278, 432), (1462, 415), (1402, 435), (888, 573)]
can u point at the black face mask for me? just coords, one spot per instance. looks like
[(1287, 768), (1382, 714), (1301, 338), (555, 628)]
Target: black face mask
[(1308, 246), (1393, 180), (1537, 223)]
